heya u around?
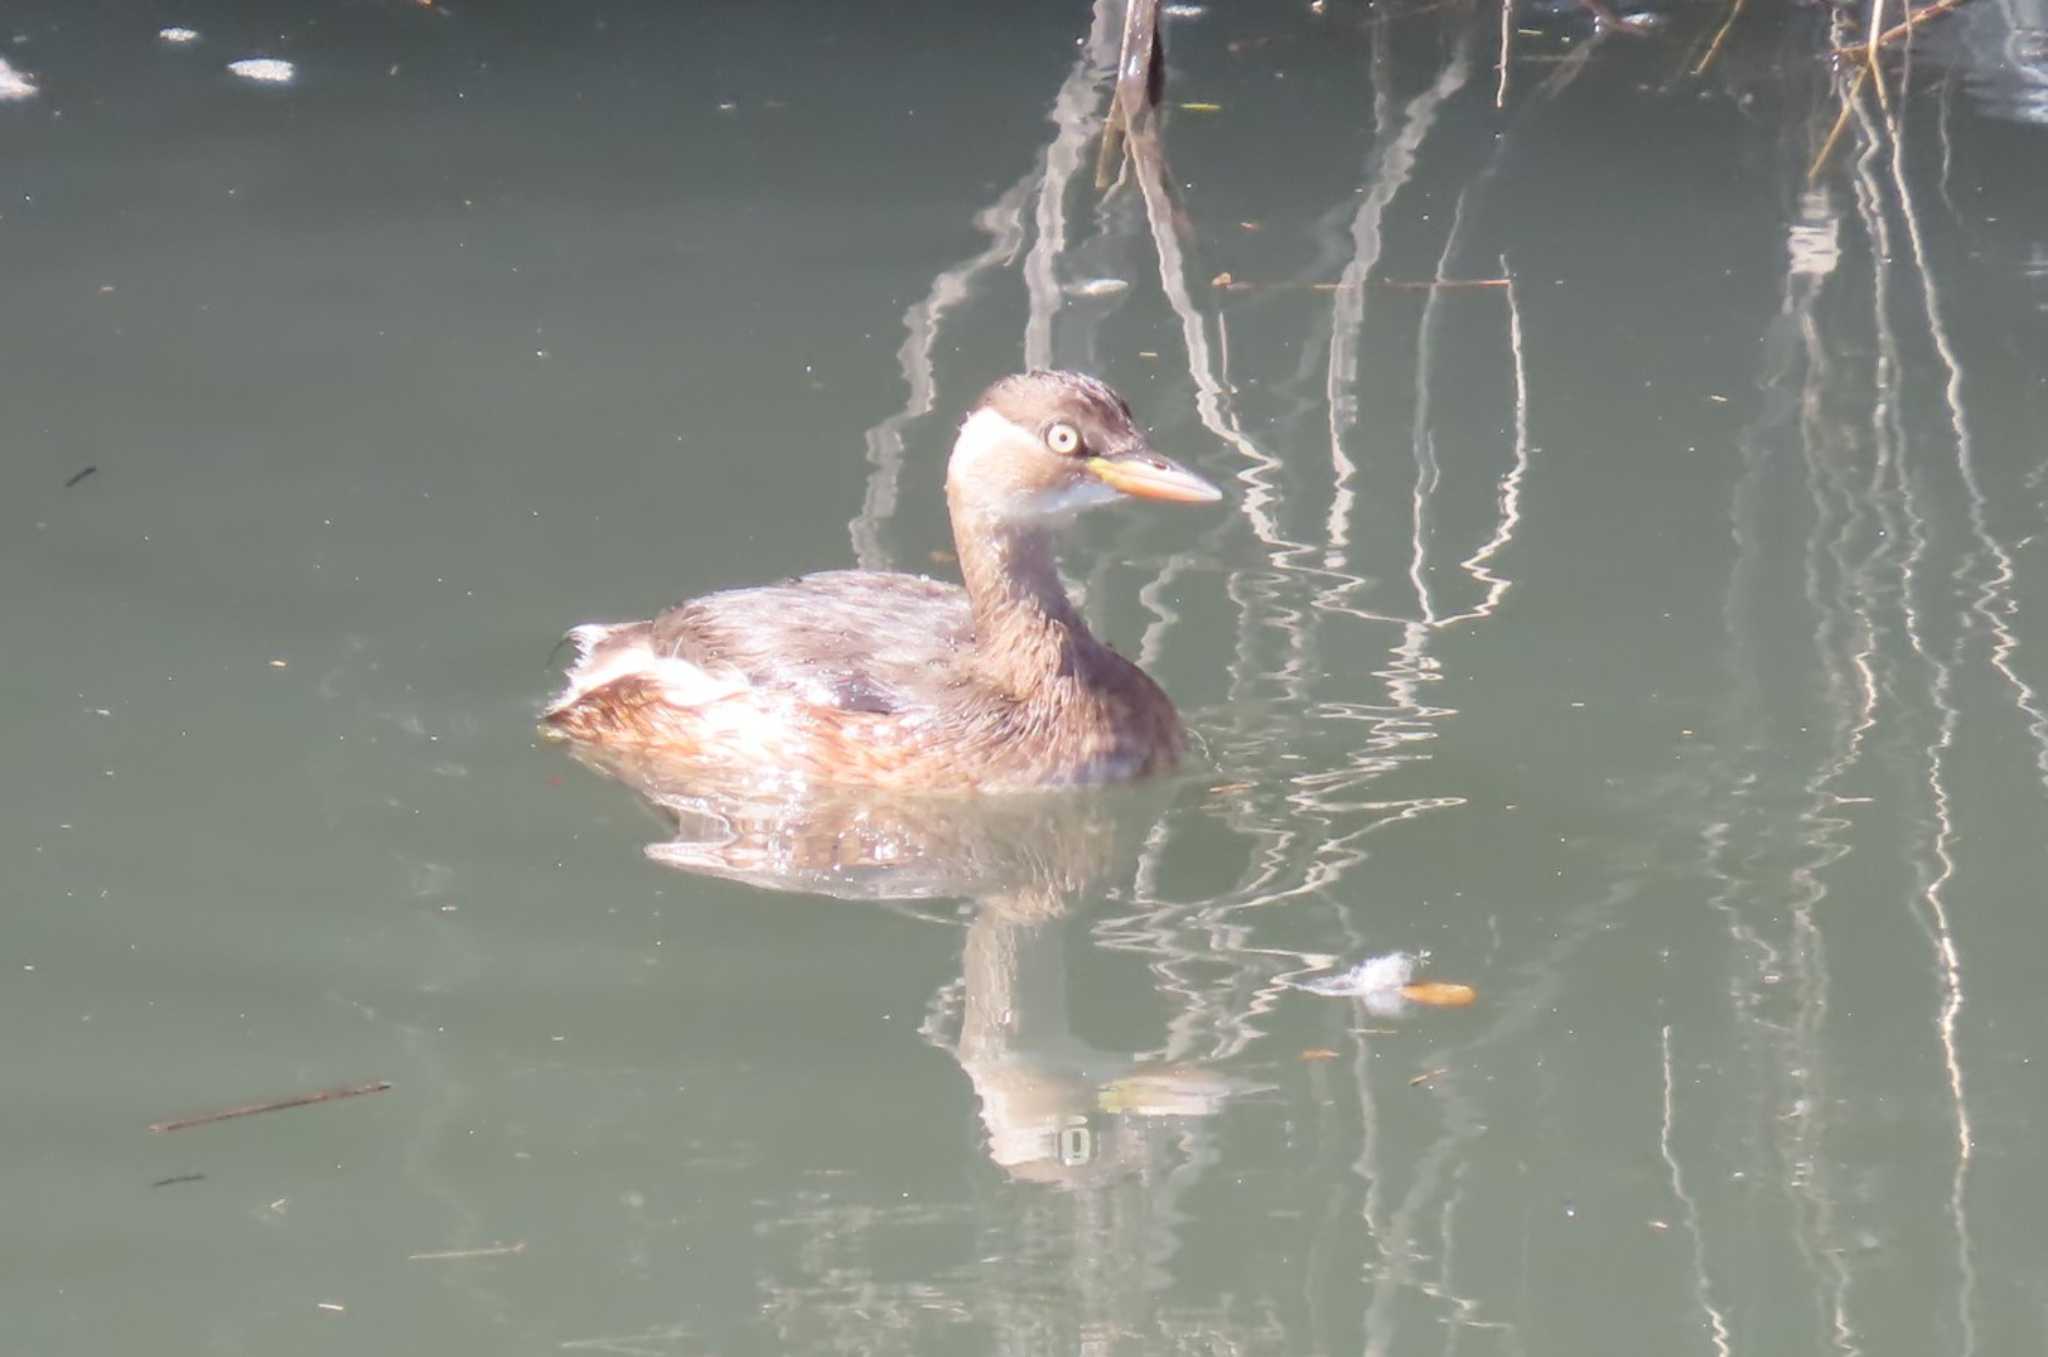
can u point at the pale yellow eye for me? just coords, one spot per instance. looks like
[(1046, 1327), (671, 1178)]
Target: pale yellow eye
[(1064, 439)]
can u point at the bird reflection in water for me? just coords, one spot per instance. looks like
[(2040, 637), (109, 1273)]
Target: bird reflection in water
[(1056, 1108)]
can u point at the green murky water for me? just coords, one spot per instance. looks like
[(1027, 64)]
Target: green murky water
[(1643, 627)]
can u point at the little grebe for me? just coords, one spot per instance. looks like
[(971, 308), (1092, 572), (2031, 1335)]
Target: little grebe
[(891, 680)]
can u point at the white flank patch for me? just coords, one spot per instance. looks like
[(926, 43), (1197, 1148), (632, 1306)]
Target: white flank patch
[(682, 684), (178, 37), (265, 70), (15, 85)]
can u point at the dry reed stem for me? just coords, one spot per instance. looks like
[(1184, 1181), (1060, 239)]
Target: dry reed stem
[(1714, 48), (1827, 148), (1901, 29)]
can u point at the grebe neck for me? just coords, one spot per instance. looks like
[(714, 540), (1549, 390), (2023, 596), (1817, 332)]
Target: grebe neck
[(1025, 626)]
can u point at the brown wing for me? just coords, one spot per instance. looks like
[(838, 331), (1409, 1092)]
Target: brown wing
[(855, 640)]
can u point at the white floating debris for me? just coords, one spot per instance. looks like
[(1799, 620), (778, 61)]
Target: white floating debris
[(269, 70), (177, 37), (1370, 976), (1184, 11), (1098, 287), (14, 84), (1386, 985)]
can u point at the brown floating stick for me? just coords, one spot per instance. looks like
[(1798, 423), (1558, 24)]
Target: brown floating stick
[(325, 1095)]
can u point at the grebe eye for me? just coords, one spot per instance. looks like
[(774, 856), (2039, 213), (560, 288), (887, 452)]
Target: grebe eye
[(1064, 439)]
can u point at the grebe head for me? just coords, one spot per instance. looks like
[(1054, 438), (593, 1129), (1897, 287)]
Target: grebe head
[(1042, 446)]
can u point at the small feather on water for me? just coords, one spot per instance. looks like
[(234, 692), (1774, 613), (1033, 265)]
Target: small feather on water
[(15, 84), (1387, 985), (1371, 976), (264, 70)]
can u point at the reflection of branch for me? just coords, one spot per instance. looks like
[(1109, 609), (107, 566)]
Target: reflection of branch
[(1073, 113), (1702, 1284), (1173, 239), (1003, 221), (1988, 604), (1423, 434), (1992, 601), (1573, 65), (1507, 37), (1827, 147), (1395, 166), (1746, 825)]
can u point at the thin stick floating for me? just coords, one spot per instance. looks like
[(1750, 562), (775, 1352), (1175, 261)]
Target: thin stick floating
[(445, 1255), (325, 1095)]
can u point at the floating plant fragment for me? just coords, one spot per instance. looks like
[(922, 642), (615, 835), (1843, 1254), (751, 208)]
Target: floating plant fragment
[(1387, 985)]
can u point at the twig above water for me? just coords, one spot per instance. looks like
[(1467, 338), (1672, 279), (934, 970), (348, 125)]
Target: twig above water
[(1140, 83)]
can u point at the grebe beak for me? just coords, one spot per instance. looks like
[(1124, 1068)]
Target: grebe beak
[(1146, 475)]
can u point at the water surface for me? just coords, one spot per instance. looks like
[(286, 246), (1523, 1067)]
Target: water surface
[(1620, 599)]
